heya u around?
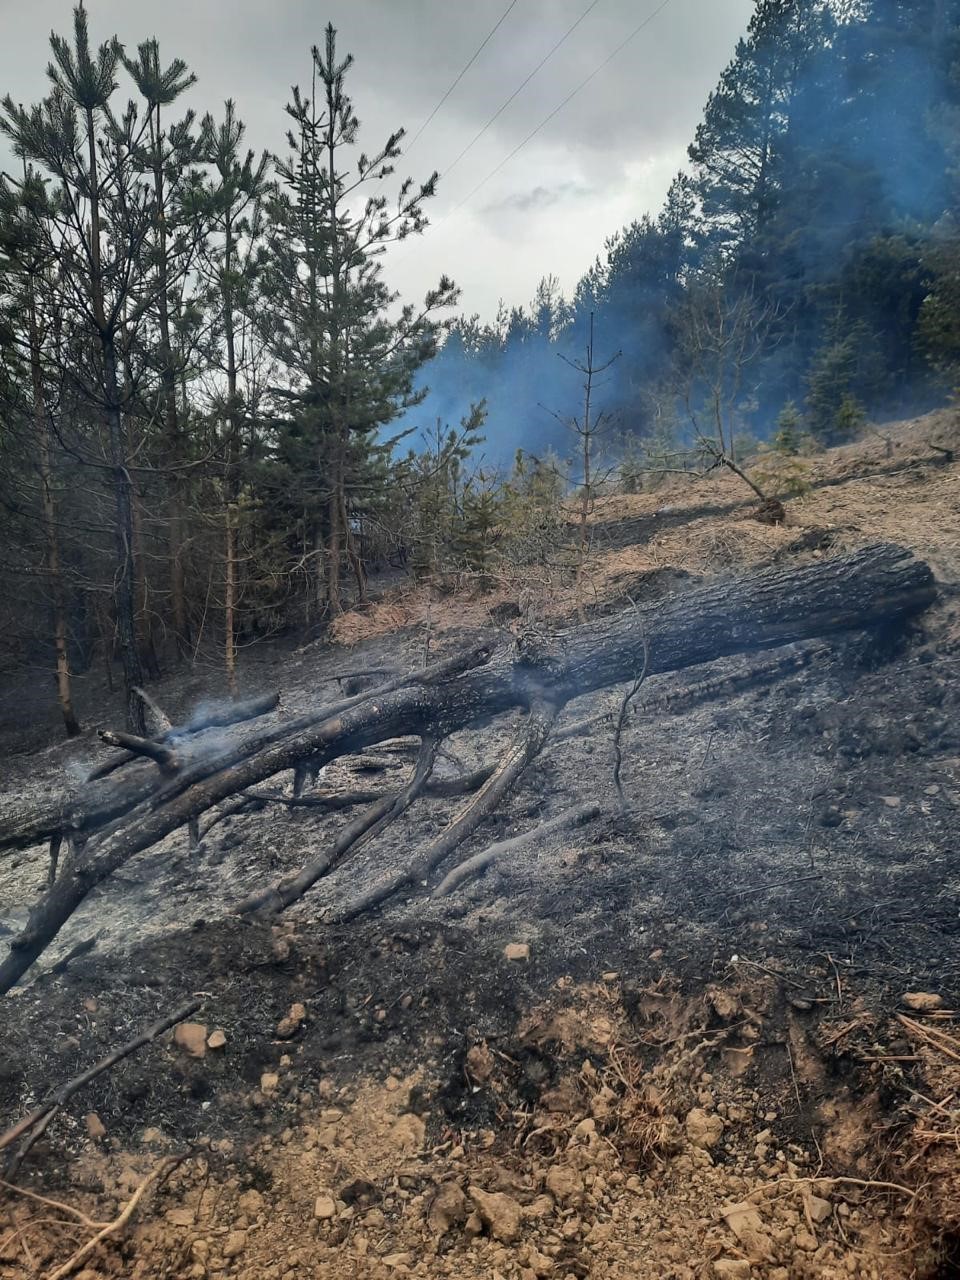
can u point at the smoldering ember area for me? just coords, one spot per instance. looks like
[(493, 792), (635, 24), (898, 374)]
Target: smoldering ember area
[(480, 780)]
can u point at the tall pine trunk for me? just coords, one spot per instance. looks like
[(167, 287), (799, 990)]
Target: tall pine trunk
[(52, 544), (123, 592)]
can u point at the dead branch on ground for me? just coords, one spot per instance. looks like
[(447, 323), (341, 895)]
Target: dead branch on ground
[(503, 848), (32, 1125)]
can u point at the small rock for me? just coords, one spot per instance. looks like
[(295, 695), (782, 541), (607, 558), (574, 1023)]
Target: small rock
[(516, 951), (819, 1209), (747, 1225), (732, 1268), (288, 1027), (564, 1184), (96, 1129), (480, 1062), (921, 1001), (91, 1006), (217, 1040), (180, 1217), (397, 1260), (191, 1037), (703, 1130), (234, 1244), (391, 1084), (538, 1262), (612, 975), (449, 1208), (806, 1242), (269, 1082), (892, 802), (250, 1203), (500, 1214), (325, 1207), (474, 1224), (408, 1133)]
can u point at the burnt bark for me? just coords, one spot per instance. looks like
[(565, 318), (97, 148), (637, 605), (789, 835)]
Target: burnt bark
[(763, 610)]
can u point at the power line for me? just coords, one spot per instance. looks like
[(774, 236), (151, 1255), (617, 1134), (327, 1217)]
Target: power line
[(476, 55), (519, 89), (557, 109)]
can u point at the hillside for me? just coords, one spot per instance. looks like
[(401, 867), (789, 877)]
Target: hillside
[(712, 1034)]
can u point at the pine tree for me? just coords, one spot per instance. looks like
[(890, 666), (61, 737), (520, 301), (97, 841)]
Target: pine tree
[(233, 205), (350, 363), (91, 154), (167, 156), (24, 264)]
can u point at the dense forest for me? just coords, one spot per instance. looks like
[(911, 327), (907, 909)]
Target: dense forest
[(216, 417)]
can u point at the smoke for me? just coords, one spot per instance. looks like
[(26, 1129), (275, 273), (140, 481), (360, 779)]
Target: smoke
[(860, 171)]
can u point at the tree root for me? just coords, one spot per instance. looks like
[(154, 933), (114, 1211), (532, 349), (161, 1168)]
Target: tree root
[(163, 1170)]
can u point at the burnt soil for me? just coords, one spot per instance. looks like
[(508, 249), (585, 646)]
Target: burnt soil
[(700, 1063)]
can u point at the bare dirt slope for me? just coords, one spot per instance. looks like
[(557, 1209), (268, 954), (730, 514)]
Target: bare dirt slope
[(699, 1061)]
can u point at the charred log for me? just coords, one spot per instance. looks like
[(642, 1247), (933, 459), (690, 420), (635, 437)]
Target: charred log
[(761, 611)]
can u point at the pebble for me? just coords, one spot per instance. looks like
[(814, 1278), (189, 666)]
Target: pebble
[(325, 1207), (516, 951), (191, 1037)]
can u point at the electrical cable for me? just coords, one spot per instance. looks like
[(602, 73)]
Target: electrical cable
[(476, 55), (519, 89), (557, 109)]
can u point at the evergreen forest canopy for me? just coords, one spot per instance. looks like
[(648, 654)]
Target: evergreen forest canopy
[(208, 392)]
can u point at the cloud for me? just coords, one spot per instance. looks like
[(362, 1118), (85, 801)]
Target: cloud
[(636, 116)]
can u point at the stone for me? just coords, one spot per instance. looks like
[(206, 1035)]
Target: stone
[(892, 802), (408, 1133), (269, 1082), (447, 1209), (234, 1244), (474, 1224), (612, 975), (288, 1027), (180, 1217), (96, 1129), (500, 1214), (703, 1130), (921, 1001), (747, 1225), (564, 1184), (325, 1207), (191, 1037), (217, 1040), (397, 1260), (480, 1062), (819, 1209), (516, 951), (732, 1269), (538, 1262), (250, 1203)]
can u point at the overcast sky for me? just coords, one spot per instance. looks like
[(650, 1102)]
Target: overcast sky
[(606, 158)]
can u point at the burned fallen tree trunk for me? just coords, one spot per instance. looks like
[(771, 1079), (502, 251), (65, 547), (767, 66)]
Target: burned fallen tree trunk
[(762, 610)]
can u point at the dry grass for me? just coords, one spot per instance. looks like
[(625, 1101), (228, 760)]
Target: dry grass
[(890, 487)]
